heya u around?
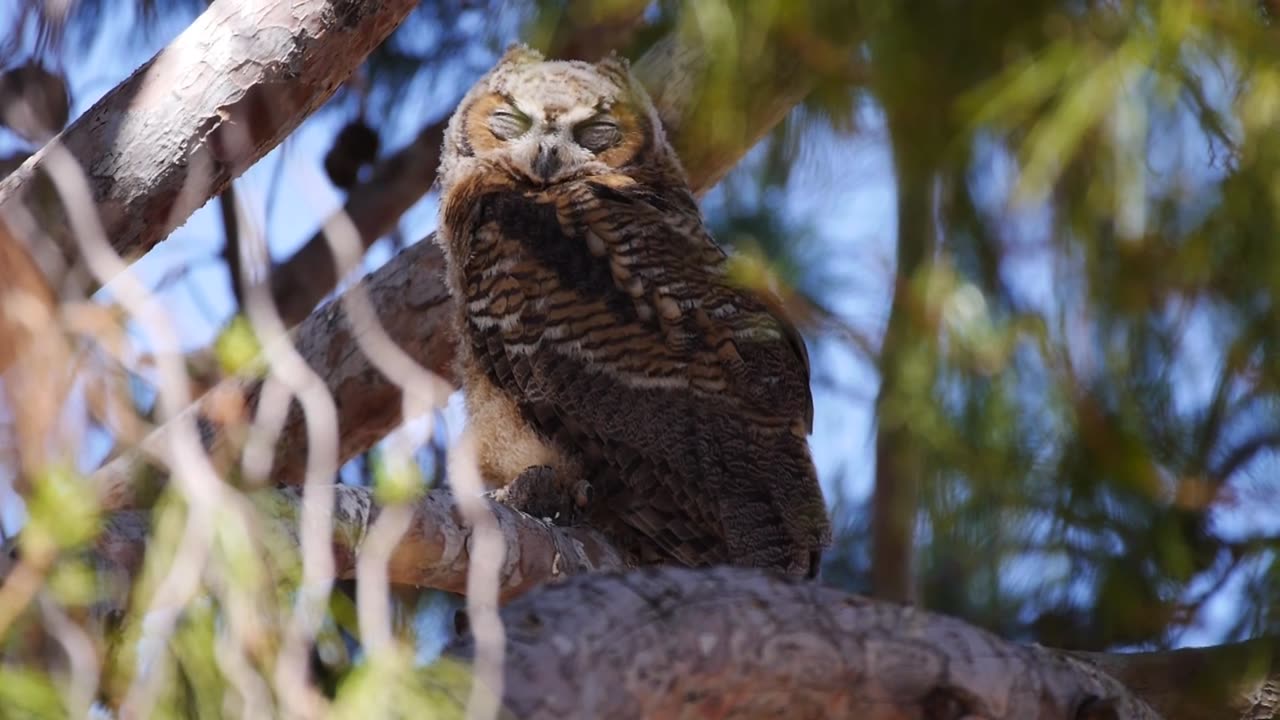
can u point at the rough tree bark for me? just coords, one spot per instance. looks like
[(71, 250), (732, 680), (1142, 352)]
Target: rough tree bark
[(35, 371), (780, 632), (225, 92), (433, 553), (734, 642)]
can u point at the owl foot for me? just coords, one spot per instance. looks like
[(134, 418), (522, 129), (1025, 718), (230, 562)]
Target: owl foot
[(537, 492)]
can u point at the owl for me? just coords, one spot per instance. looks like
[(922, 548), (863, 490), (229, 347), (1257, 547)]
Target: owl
[(608, 360)]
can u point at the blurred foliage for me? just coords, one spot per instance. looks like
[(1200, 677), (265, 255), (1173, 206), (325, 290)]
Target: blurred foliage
[(1081, 362), (1091, 389)]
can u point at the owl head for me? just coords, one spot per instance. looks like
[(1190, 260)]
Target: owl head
[(544, 122)]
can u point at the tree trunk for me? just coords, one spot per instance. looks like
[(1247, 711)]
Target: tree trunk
[(896, 499)]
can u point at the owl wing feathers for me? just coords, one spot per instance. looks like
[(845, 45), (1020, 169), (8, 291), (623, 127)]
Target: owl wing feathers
[(681, 392)]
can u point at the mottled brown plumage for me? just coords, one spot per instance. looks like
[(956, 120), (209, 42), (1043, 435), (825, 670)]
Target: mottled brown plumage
[(601, 337)]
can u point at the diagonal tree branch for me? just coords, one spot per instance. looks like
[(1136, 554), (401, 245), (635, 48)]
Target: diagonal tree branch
[(374, 206), (218, 98), (1234, 680)]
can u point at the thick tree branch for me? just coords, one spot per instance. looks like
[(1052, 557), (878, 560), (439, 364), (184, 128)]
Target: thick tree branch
[(733, 642), (24, 286), (722, 635), (35, 364), (218, 98), (433, 553)]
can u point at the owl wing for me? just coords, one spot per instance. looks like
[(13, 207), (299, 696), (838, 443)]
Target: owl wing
[(600, 312)]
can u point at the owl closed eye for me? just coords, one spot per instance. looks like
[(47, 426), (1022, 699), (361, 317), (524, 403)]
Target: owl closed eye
[(552, 122)]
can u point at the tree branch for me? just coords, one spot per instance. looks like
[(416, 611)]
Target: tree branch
[(412, 303), (219, 97), (733, 642), (35, 364), (720, 635), (433, 553), (398, 182)]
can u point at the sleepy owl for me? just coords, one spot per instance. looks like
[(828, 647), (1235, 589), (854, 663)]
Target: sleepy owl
[(605, 353)]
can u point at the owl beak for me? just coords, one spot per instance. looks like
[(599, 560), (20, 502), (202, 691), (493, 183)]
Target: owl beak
[(547, 162)]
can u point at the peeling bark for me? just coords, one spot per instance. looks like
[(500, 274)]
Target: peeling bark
[(219, 97), (733, 642)]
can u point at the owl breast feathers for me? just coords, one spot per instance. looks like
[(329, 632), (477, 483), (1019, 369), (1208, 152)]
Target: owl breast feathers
[(601, 337)]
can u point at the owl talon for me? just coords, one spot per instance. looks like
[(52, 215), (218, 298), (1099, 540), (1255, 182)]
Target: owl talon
[(537, 492)]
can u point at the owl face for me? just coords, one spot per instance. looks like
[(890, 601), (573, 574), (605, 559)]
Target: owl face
[(546, 122)]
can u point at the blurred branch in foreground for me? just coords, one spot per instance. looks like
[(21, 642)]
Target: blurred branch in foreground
[(433, 553)]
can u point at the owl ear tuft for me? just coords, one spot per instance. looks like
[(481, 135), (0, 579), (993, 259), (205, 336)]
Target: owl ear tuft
[(520, 54), (615, 65)]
